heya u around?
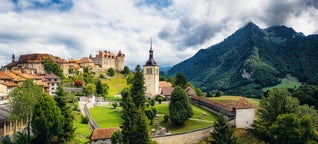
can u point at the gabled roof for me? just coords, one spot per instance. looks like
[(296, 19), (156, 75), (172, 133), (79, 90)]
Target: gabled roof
[(51, 76), (190, 91), (102, 133), (35, 58), (85, 60), (166, 91), (164, 84), (12, 64), (243, 104), (3, 75)]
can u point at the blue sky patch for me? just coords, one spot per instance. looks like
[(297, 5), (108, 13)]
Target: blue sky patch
[(158, 4), (61, 5)]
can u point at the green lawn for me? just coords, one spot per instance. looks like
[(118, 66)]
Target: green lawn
[(287, 82), (82, 131), (106, 117), (116, 84), (163, 109)]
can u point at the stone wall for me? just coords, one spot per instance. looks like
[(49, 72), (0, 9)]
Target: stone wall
[(184, 138), (244, 118)]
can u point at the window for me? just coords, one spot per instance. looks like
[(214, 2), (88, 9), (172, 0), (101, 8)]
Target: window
[(149, 71)]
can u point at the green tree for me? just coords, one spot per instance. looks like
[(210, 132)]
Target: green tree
[(223, 132), (287, 129), (151, 114), (179, 107), (181, 81), (22, 101), (129, 116), (275, 102), (135, 128), (126, 70), (111, 72), (101, 89), (67, 131), (138, 89), (199, 92), (90, 88), (116, 138), (51, 66), (152, 102), (46, 120), (114, 105)]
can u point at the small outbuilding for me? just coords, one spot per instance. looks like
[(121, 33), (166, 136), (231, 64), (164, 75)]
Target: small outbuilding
[(102, 135)]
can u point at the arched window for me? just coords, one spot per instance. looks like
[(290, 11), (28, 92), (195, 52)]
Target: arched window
[(149, 71)]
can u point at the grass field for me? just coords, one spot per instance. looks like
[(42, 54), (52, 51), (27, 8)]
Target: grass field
[(82, 131), (287, 82), (116, 84), (106, 117), (231, 100)]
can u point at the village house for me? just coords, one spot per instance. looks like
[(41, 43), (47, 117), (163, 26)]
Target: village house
[(102, 135)]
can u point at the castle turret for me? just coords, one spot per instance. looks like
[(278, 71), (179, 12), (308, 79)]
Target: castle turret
[(151, 74)]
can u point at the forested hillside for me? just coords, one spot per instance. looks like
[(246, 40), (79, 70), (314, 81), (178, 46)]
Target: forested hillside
[(251, 59)]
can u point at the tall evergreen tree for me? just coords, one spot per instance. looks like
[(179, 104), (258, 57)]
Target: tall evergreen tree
[(223, 133), (22, 101), (67, 132), (181, 81), (179, 107), (138, 88), (46, 120), (135, 127), (101, 89), (129, 116)]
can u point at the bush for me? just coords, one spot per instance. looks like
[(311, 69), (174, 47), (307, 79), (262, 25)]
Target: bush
[(166, 118), (115, 105), (160, 100), (85, 120), (78, 83), (110, 72)]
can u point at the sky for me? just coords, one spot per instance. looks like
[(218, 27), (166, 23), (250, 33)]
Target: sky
[(178, 28)]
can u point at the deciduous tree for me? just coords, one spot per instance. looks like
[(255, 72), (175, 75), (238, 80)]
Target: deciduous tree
[(22, 101)]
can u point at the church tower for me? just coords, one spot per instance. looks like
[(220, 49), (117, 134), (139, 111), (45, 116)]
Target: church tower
[(151, 74)]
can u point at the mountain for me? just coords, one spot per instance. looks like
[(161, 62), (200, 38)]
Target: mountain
[(253, 58)]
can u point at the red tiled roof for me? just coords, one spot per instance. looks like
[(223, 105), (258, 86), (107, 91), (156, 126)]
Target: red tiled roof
[(35, 58), (243, 104), (14, 63), (164, 84), (86, 60), (120, 53), (215, 103), (3, 75), (102, 133), (166, 91)]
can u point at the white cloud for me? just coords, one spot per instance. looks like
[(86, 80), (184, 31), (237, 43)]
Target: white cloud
[(178, 30)]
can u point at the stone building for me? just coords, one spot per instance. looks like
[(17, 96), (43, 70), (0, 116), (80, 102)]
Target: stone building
[(241, 114), (107, 59), (151, 75)]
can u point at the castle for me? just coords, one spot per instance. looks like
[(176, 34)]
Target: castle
[(33, 63)]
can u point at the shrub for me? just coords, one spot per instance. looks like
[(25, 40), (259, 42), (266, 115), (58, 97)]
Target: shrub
[(78, 83), (115, 105), (160, 100), (166, 118), (85, 120)]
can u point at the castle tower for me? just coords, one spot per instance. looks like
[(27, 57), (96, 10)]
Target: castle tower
[(151, 74), (120, 61)]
